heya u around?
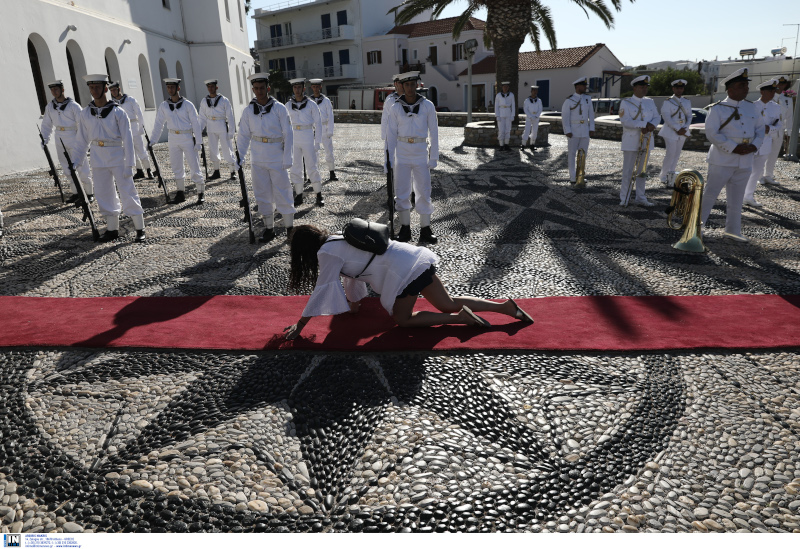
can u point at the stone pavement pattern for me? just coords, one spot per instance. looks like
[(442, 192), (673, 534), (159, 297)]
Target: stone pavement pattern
[(223, 441)]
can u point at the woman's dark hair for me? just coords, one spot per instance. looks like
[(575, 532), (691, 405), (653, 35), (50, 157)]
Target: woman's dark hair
[(306, 242)]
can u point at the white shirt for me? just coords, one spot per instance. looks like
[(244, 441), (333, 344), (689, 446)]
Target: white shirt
[(181, 117), (787, 111), (216, 113), (325, 114), (504, 105), (134, 112), (391, 99), (532, 107), (267, 121), (388, 275), (577, 115), (305, 113), (109, 126), (770, 113), (417, 121), (749, 127), (677, 115), (61, 115), (635, 114)]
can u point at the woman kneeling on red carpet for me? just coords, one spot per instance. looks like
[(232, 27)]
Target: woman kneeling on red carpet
[(399, 275)]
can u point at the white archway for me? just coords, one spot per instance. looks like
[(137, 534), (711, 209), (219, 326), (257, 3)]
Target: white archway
[(112, 66), (41, 68), (77, 70), (163, 73)]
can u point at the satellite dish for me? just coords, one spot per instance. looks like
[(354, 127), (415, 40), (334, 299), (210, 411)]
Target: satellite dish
[(778, 51)]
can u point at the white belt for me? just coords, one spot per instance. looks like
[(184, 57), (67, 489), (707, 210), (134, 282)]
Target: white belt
[(260, 139), (413, 140), (504, 106), (302, 127), (742, 140), (107, 142), (215, 118), (66, 128), (179, 132)]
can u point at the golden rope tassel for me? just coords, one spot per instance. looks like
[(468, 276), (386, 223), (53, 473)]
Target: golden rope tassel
[(687, 201)]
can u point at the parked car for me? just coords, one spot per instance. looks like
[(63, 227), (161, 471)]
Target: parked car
[(605, 105)]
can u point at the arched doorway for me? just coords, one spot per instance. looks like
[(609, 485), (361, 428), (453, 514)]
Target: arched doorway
[(77, 68), (112, 66), (162, 71), (147, 83), (41, 68)]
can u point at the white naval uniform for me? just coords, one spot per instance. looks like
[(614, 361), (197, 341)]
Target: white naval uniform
[(726, 169), (635, 114), (770, 113), (677, 115), (107, 133), (787, 117), (307, 128), (326, 118), (391, 99), (61, 120), (577, 118), (504, 113), (533, 110), (269, 130), (216, 116), (407, 132), (185, 138), (136, 118)]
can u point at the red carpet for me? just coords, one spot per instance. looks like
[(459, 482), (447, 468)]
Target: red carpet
[(256, 323)]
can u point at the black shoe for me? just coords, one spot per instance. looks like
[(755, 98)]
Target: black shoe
[(413, 199), (533, 148), (90, 197), (180, 196), (268, 236), (298, 199), (522, 147), (320, 200), (233, 176), (333, 176), (405, 233), (201, 199), (140, 237), (426, 236), (73, 199), (149, 174), (214, 175), (139, 174), (255, 208), (108, 236)]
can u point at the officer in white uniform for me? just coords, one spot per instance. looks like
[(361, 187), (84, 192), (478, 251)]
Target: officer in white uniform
[(533, 110), (677, 115), (136, 118), (185, 138), (307, 128), (265, 123), (61, 120), (326, 116), (736, 132), (787, 118), (577, 119), (639, 117), (504, 103), (216, 117), (770, 113), (412, 120), (105, 127)]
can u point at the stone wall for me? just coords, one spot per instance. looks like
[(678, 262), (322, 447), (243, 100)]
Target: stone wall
[(446, 119)]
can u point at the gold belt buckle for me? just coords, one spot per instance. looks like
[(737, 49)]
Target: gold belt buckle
[(745, 141), (102, 144), (61, 128), (581, 121), (411, 140), (264, 140)]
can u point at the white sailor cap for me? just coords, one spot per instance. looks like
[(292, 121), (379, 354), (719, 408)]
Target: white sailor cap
[(212, 81), (679, 82), (505, 83), (395, 78), (408, 76), (534, 87), (771, 84), (783, 79), (582, 80), (96, 79), (55, 83), (315, 81), (736, 76), (175, 81), (113, 85), (259, 77), (296, 81), (641, 80)]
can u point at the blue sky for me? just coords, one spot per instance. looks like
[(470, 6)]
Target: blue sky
[(648, 31)]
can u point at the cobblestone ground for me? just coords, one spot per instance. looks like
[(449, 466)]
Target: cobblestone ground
[(200, 441)]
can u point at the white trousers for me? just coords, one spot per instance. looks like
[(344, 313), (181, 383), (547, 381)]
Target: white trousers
[(628, 163), (759, 163), (214, 142), (108, 201), (272, 190), (84, 170), (772, 158), (420, 174), (575, 143), (531, 130), (734, 180), (671, 156), (180, 146), (327, 142), (142, 157), (304, 150), (504, 130)]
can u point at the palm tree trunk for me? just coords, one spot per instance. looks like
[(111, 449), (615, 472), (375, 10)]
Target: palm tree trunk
[(507, 25)]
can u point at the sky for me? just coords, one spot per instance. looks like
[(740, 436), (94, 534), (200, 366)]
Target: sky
[(649, 31)]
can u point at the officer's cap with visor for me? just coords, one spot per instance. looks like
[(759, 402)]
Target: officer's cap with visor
[(736, 76)]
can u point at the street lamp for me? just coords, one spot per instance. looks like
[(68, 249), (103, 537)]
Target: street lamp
[(469, 48)]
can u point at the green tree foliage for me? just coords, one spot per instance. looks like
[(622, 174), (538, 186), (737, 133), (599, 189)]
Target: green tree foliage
[(661, 82)]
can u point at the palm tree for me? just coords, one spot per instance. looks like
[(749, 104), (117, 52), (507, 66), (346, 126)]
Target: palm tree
[(508, 23)]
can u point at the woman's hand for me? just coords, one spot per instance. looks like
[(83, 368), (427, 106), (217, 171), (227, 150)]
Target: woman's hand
[(294, 330)]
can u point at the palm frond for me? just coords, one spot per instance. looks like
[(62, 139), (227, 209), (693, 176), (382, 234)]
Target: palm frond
[(463, 19), (600, 9), (542, 23), (409, 9)]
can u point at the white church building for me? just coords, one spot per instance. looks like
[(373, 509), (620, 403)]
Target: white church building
[(136, 42)]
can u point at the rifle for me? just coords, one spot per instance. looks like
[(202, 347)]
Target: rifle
[(157, 171), (83, 202), (52, 166), (203, 156), (390, 192), (248, 217)]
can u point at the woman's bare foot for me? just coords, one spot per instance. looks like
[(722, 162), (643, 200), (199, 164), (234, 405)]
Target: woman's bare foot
[(471, 319)]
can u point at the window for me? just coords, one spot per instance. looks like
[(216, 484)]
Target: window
[(344, 57), (414, 55), (341, 17), (285, 65), (374, 57), (433, 56), (239, 5), (458, 52), (165, 3), (227, 11), (326, 25), (595, 84)]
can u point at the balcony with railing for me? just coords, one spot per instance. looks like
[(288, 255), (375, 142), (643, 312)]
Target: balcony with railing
[(334, 72), (319, 36)]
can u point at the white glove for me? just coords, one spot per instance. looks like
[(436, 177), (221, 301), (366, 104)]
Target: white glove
[(198, 147), (43, 145), (75, 167), (432, 163), (150, 144)]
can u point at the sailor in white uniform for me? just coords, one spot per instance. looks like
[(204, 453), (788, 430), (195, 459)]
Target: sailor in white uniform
[(770, 113), (105, 127), (533, 110), (136, 118), (390, 100), (216, 117), (411, 122), (326, 117), (307, 128), (577, 119), (266, 125), (736, 132), (787, 118), (185, 138), (677, 115), (61, 121), (639, 117), (504, 104)]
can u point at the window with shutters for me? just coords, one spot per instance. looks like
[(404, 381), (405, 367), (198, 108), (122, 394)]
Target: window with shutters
[(458, 52), (595, 85), (374, 57)]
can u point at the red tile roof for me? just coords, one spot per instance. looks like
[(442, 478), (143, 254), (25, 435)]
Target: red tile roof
[(439, 26), (545, 59)]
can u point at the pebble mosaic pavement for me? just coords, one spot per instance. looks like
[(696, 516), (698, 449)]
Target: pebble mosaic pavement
[(101, 440)]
